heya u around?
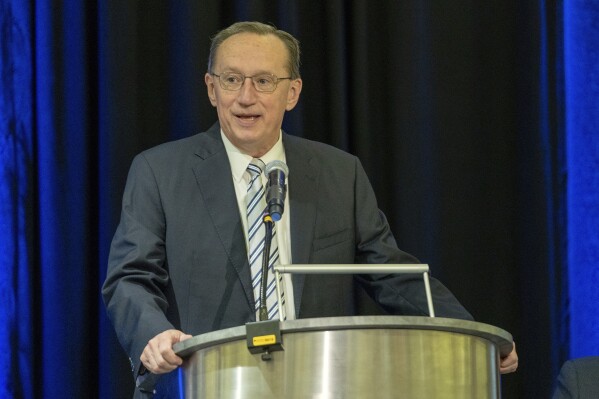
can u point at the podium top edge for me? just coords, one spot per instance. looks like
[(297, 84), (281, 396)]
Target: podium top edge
[(501, 338)]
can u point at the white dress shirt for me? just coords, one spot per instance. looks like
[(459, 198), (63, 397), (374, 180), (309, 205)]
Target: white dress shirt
[(239, 162)]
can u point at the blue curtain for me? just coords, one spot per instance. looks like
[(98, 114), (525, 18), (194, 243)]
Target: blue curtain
[(66, 182), (581, 43), (466, 150), (17, 201)]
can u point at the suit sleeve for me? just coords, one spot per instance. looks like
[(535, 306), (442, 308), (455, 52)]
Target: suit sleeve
[(398, 294), (567, 382), (135, 288)]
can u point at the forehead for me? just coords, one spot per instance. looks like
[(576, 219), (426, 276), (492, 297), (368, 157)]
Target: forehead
[(250, 52)]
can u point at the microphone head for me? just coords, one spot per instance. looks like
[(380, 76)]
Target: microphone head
[(276, 171), (276, 165)]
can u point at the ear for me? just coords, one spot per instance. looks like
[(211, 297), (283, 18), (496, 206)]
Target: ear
[(209, 79), (295, 88)]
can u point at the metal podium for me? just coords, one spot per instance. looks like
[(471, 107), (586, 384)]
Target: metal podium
[(350, 357)]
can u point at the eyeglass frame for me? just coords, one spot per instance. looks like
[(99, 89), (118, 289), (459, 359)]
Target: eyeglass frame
[(276, 81)]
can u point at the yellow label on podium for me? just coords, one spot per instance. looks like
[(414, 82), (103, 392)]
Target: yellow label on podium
[(264, 340)]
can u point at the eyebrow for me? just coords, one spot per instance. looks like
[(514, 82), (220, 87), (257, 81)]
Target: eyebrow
[(261, 72)]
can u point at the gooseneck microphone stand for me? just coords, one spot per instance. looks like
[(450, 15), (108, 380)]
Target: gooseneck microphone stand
[(268, 225)]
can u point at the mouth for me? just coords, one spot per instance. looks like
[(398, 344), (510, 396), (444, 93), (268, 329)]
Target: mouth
[(246, 118)]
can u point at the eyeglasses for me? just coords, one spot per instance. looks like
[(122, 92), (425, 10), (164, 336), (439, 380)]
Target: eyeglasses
[(266, 82)]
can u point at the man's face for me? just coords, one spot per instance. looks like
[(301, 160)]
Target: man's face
[(250, 119)]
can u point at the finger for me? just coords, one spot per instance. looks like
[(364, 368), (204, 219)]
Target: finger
[(509, 369), (144, 360), (158, 355), (511, 358), (165, 358), (509, 364), (509, 361), (169, 357), (147, 359), (166, 347), (155, 354), (184, 336)]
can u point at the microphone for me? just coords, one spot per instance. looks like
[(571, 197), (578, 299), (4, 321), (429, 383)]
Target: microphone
[(276, 189)]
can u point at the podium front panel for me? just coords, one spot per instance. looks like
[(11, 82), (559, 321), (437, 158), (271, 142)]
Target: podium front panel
[(353, 358)]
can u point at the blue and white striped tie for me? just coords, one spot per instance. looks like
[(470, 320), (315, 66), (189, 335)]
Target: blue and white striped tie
[(256, 208)]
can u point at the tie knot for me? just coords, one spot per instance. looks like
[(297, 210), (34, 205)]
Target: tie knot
[(255, 167)]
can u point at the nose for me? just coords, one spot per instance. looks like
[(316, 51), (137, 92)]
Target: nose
[(247, 92)]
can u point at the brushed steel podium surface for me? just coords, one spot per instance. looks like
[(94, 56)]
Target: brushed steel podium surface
[(351, 357)]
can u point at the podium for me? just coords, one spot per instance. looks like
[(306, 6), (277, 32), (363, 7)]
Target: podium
[(351, 357)]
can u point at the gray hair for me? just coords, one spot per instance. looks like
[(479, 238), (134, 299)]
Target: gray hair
[(290, 42)]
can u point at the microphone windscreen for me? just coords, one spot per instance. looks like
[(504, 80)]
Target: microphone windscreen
[(277, 165)]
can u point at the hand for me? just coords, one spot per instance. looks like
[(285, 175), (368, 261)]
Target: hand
[(509, 364), (158, 355)]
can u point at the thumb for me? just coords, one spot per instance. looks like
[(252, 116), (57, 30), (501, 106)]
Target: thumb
[(183, 337)]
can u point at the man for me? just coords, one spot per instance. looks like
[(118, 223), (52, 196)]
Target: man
[(179, 259), (577, 379)]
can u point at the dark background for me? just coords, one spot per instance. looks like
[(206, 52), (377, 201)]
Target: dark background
[(452, 106)]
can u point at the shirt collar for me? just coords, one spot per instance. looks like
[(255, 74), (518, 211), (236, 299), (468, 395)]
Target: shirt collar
[(240, 161)]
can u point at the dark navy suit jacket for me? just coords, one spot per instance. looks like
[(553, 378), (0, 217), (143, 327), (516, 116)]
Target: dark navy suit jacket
[(578, 379), (178, 258)]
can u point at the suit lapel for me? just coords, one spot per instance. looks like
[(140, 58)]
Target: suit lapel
[(213, 176), (303, 183)]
